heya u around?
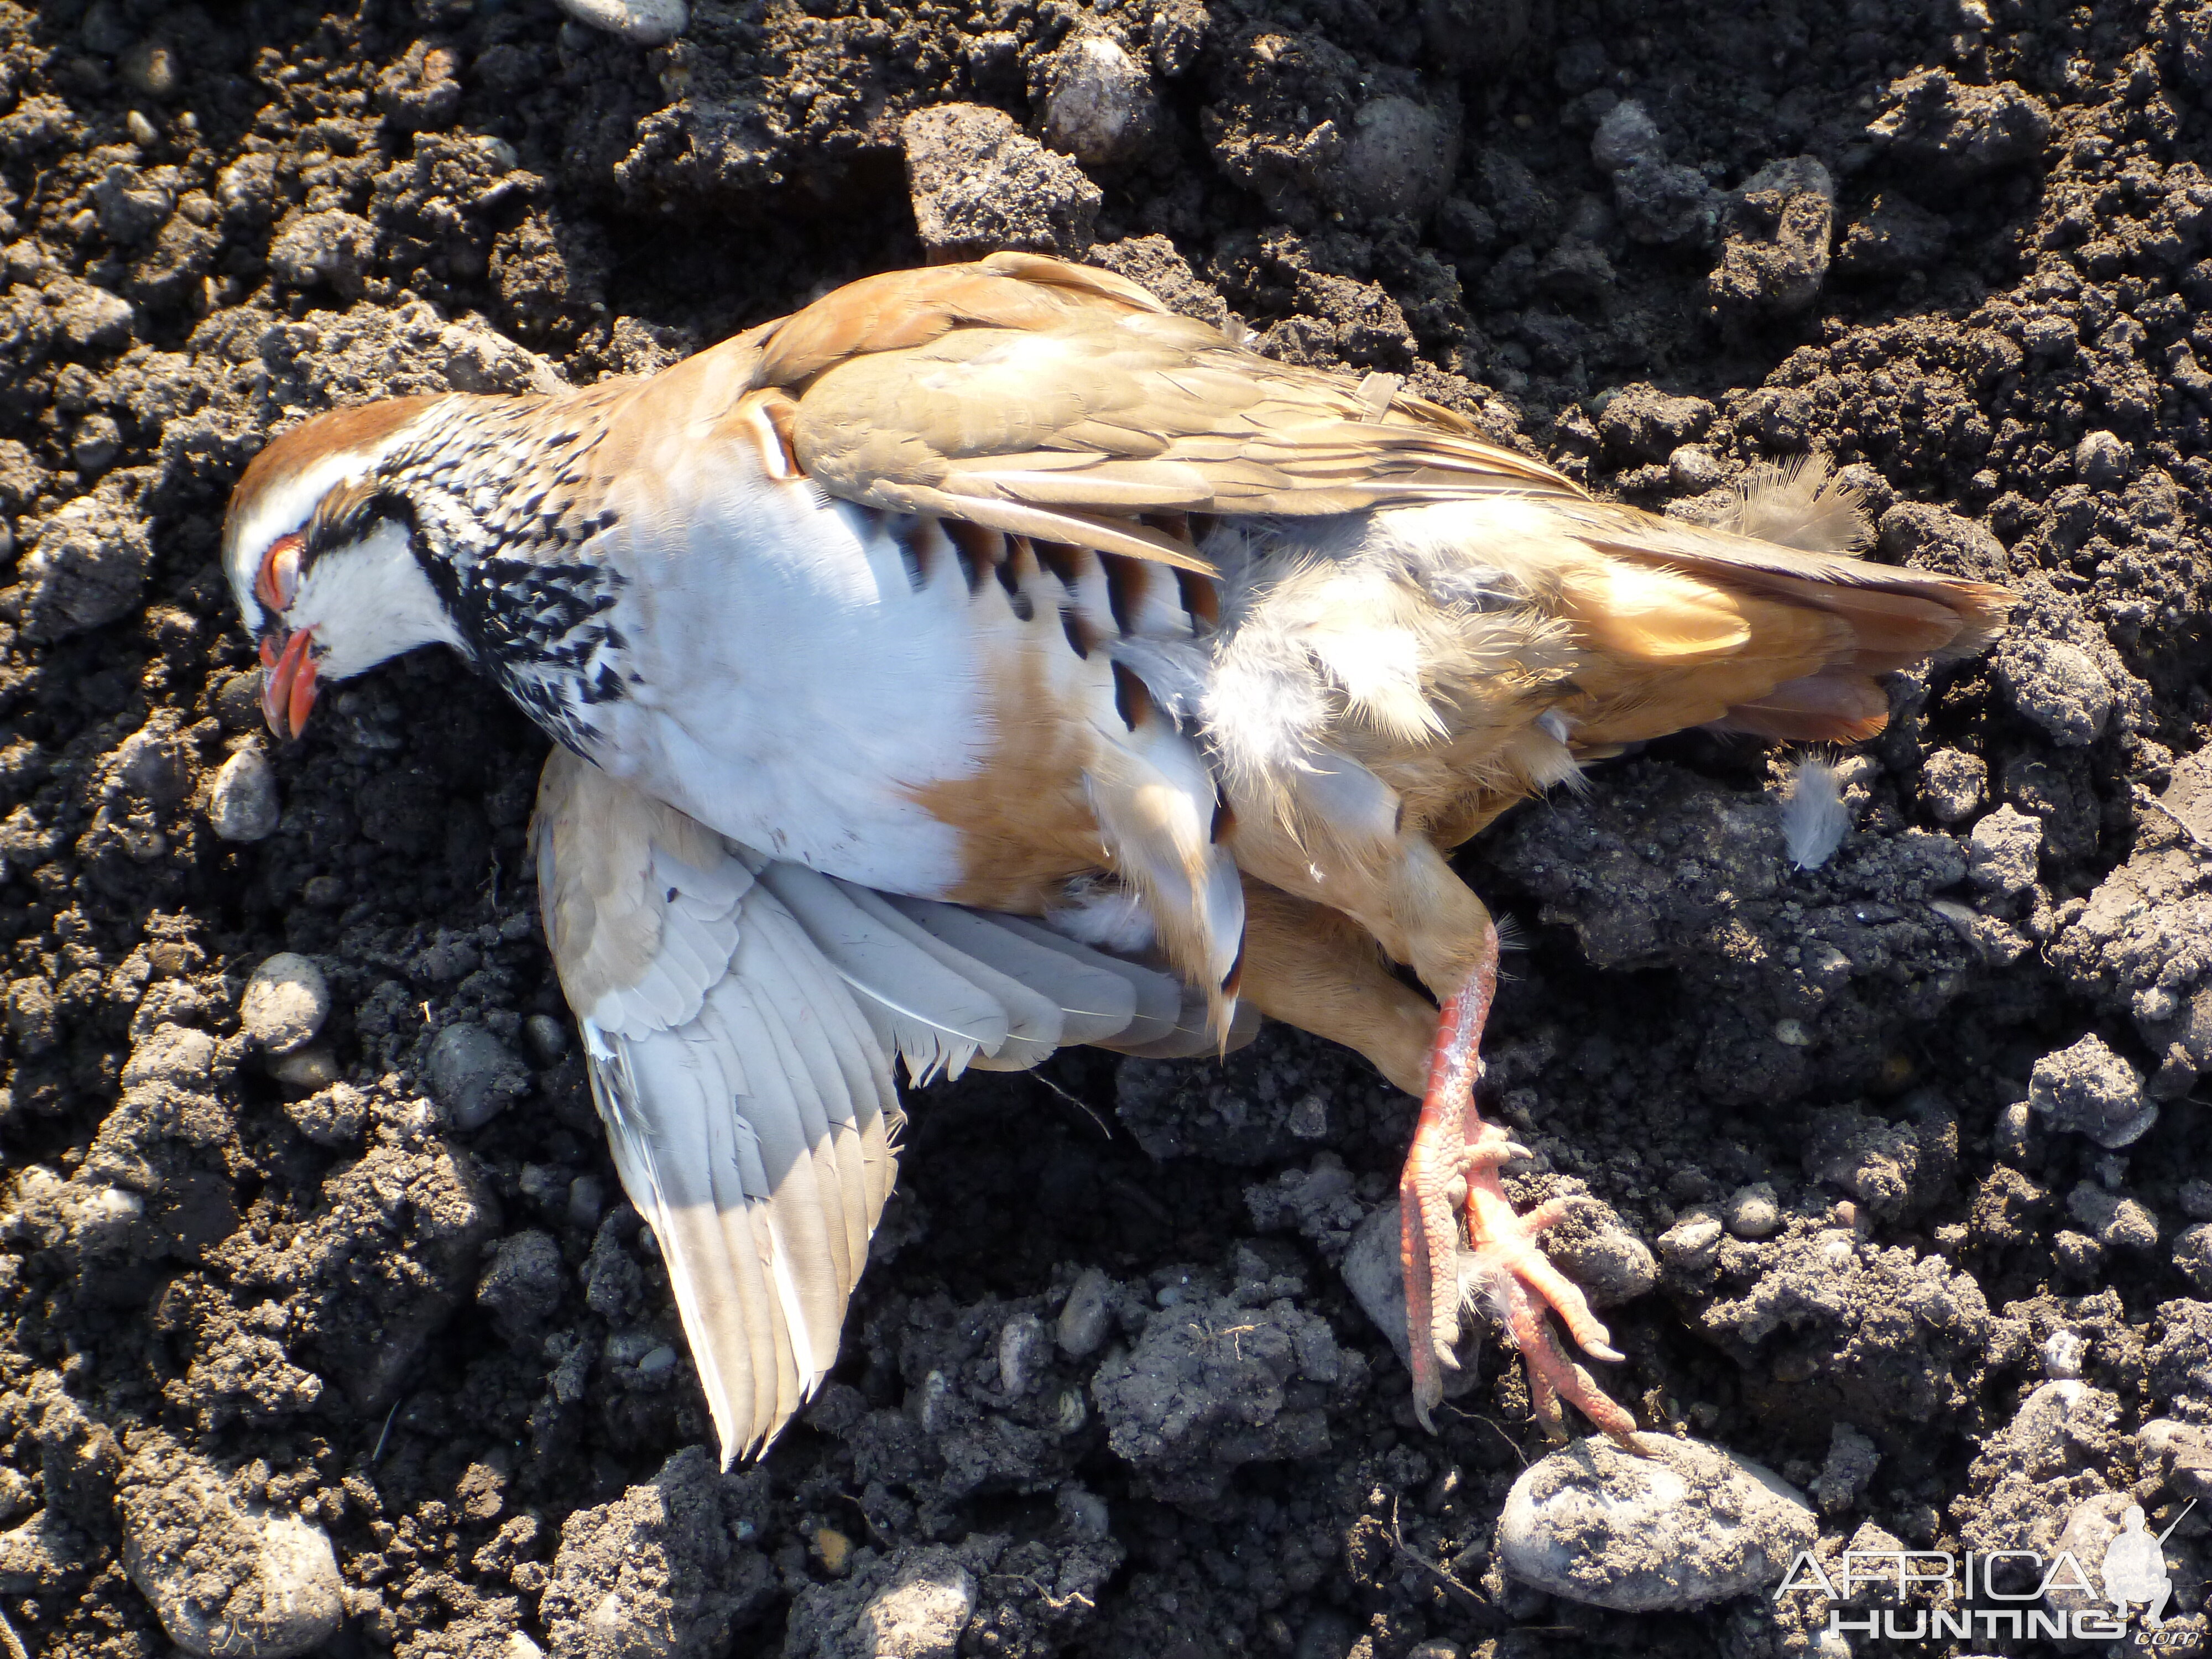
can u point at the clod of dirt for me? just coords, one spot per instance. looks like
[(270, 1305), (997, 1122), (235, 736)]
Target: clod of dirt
[(979, 183), (1850, 1463), (1959, 131), (1658, 202), (2033, 1472), (522, 1287), (2092, 1090), (285, 1004), (2057, 685), (331, 1117), (87, 566), (1895, 235), (912, 1604), (242, 805), (475, 1076), (1098, 104), (1776, 255), (1685, 1525), (1953, 783), (656, 1574), (1594, 1247), (223, 1576), (640, 22), (1216, 1382)]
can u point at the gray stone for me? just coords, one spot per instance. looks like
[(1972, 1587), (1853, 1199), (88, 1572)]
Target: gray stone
[(173, 1054), (1397, 160), (242, 805), (2102, 460), (1592, 1246), (1751, 1211), (1693, 1244), (640, 22), (2092, 1090), (1683, 1526), (1086, 1314), (474, 1075), (1374, 1272), (1098, 105), (285, 1004)]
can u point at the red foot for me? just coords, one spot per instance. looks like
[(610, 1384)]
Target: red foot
[(1451, 1170)]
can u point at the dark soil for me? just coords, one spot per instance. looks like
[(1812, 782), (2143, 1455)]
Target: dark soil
[(444, 1348)]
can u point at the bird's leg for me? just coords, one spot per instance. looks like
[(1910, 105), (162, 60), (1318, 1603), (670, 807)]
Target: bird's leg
[(1451, 1172)]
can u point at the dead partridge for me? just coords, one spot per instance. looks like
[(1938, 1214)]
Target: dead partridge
[(996, 591)]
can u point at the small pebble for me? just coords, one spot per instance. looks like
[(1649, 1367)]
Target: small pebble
[(2102, 460), (242, 805), (657, 1362), (1684, 1526), (1084, 1316), (1023, 1351), (1694, 469), (640, 22), (285, 1004), (473, 1075), (309, 1070), (2063, 1354), (1693, 1244), (1751, 1211), (1098, 105), (546, 1038), (1374, 1272), (519, 1646)]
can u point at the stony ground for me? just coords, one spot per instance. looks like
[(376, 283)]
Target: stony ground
[(1886, 1126)]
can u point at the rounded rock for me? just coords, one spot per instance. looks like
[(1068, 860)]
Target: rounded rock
[(1683, 1526), (285, 1004), (640, 22), (1751, 1211), (1084, 1316), (1098, 105), (1398, 159), (2103, 459), (242, 805), (474, 1076)]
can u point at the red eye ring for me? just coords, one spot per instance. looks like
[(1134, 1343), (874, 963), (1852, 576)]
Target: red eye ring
[(277, 582)]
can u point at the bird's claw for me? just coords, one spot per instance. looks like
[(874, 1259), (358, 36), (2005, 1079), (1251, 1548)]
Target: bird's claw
[(1451, 1173)]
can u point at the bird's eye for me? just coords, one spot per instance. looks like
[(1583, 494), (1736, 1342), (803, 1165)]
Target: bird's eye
[(278, 582)]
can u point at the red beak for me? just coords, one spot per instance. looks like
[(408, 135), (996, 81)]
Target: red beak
[(287, 685)]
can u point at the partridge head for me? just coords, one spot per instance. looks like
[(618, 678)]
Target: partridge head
[(984, 659)]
